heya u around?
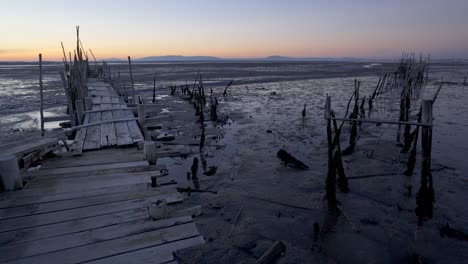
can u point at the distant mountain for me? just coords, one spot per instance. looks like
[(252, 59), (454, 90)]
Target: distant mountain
[(179, 58), (278, 57), (114, 60)]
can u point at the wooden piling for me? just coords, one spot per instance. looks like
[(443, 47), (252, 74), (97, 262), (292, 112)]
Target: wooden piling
[(10, 177), (141, 116), (425, 195), (41, 94), (79, 111), (331, 175), (131, 79)]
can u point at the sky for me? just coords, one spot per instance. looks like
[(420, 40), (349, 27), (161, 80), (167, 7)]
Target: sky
[(234, 28)]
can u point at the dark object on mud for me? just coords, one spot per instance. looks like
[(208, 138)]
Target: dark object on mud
[(287, 159), (276, 250), (316, 231), (211, 171), (304, 112), (225, 89), (190, 190), (453, 233), (164, 137), (194, 168), (269, 131)]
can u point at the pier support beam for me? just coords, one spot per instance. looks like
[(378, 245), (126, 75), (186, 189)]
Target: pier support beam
[(10, 177)]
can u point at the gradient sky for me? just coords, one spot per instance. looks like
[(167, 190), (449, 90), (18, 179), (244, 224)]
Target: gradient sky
[(235, 28)]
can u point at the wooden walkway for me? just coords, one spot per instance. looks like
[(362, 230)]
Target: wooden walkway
[(93, 208), (109, 122)]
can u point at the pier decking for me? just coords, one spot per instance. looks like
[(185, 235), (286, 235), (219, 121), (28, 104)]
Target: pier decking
[(109, 122), (92, 208)]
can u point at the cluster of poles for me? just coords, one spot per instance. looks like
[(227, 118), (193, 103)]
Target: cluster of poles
[(409, 79)]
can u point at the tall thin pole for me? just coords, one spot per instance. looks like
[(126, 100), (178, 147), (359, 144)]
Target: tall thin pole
[(42, 94), (131, 79)]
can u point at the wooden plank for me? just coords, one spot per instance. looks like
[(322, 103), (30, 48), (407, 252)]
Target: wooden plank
[(74, 226), (121, 230), (104, 156), (158, 254), (116, 100), (96, 100), (80, 137), (133, 127), (115, 247), (105, 99), (96, 107), (40, 208), (29, 147), (31, 197), (108, 137), (66, 170), (80, 213), (103, 172), (56, 118), (92, 182), (93, 134), (121, 129)]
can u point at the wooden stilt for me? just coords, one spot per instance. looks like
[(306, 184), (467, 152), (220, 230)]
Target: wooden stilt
[(331, 175), (131, 79), (42, 94), (425, 195)]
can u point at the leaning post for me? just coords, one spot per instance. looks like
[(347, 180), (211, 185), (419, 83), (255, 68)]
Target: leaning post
[(330, 183)]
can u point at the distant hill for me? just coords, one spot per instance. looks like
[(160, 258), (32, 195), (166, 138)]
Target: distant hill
[(179, 58)]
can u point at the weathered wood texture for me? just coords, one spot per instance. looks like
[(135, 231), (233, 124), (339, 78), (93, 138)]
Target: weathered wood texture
[(109, 122)]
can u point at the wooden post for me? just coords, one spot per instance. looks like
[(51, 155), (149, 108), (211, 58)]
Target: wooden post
[(88, 103), (10, 177), (141, 116), (69, 100), (150, 152), (79, 111), (41, 94), (131, 79), (330, 182), (425, 195)]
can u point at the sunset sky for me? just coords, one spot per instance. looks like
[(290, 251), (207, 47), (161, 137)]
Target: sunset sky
[(235, 28)]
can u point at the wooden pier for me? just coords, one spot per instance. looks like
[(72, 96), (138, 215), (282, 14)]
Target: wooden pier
[(109, 122), (92, 206)]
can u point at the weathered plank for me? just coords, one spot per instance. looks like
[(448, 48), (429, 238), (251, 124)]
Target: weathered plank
[(67, 170), (133, 127), (92, 182), (130, 169), (121, 129), (69, 227), (93, 134), (32, 197), (49, 207), (79, 213), (121, 230), (80, 137), (115, 247), (158, 254)]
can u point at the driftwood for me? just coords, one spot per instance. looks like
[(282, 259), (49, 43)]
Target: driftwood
[(288, 159), (190, 190), (275, 251)]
